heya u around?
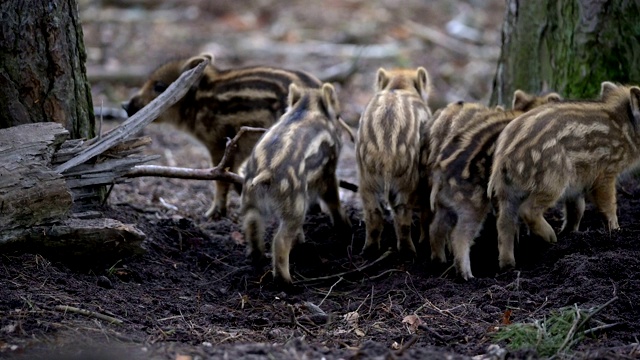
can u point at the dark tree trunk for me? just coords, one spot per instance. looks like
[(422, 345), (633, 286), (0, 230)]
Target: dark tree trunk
[(567, 46), (42, 66)]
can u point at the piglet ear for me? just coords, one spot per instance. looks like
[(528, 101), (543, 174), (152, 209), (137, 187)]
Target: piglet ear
[(553, 97), (194, 61), (634, 94), (295, 94), (606, 89), (520, 100), (330, 100), (382, 79), (423, 83)]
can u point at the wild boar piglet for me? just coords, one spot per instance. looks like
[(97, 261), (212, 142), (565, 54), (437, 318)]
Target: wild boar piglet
[(388, 153), (461, 169), (561, 150), (293, 164), (220, 104)]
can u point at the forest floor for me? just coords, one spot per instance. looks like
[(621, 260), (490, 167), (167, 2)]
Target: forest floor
[(193, 295)]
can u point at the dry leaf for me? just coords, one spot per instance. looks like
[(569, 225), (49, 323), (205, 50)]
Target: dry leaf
[(506, 317), (352, 318), (183, 357), (359, 332), (395, 346), (167, 205), (413, 321), (237, 237)]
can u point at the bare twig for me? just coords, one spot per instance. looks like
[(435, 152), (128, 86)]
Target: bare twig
[(220, 172), (357, 270), (233, 143), (185, 173), (572, 331), (348, 186), (295, 322), (407, 345), (329, 292), (598, 309), (89, 313), (445, 312), (138, 121), (600, 327)]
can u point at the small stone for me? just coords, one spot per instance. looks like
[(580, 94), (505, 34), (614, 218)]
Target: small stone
[(104, 282)]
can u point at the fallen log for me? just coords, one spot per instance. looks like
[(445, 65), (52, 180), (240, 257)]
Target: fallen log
[(43, 209)]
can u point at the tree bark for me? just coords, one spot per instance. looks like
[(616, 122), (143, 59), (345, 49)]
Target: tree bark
[(567, 46), (42, 66)]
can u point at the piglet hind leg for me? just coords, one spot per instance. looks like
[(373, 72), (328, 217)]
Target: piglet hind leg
[(604, 197), (507, 226), (253, 226), (374, 224), (331, 198), (464, 232), (426, 217), (402, 224), (532, 211), (219, 207), (573, 211), (439, 232), (286, 236)]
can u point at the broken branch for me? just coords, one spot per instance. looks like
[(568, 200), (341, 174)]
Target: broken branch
[(139, 120), (89, 313), (220, 172)]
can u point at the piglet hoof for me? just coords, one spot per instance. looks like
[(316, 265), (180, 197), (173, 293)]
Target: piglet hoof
[(550, 237), (215, 213), (507, 264), (407, 253), (370, 252), (286, 285), (257, 258), (466, 275)]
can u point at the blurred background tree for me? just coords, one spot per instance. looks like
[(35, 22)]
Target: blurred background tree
[(567, 46), (42, 66)]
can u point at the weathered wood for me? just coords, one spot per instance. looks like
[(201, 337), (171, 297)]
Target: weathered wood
[(139, 120), (80, 237), (31, 193), (36, 201)]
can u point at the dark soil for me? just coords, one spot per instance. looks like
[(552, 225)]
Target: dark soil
[(194, 295)]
